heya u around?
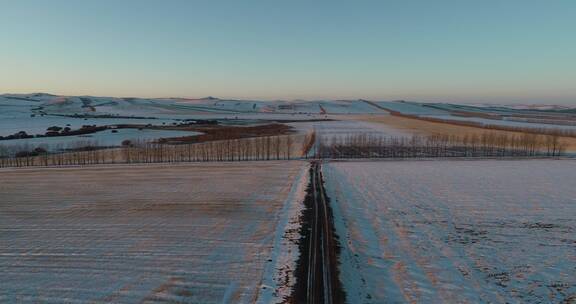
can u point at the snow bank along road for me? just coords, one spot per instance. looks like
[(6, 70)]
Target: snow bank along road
[(195, 233), (483, 231)]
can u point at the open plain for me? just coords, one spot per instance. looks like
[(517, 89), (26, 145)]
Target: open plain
[(486, 231), (195, 233)]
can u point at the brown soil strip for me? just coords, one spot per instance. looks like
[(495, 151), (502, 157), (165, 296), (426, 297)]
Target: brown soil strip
[(213, 133)]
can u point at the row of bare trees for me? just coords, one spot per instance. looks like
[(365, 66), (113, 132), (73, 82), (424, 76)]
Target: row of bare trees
[(489, 144), (285, 147), (257, 148), (282, 147)]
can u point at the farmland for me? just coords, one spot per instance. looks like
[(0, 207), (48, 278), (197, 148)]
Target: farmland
[(455, 231), (422, 127), (288, 152), (127, 234), (131, 200), (28, 121)]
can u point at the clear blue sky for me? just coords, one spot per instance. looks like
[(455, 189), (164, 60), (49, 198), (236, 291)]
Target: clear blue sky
[(452, 50)]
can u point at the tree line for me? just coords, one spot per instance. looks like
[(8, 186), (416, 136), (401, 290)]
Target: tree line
[(488, 144), (281, 147), (295, 146)]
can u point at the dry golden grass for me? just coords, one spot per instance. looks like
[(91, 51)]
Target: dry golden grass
[(421, 127)]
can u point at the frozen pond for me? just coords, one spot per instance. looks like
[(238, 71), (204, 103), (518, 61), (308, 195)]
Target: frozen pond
[(456, 231)]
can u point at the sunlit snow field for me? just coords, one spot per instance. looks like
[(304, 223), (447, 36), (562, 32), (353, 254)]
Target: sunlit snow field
[(456, 231), (200, 233)]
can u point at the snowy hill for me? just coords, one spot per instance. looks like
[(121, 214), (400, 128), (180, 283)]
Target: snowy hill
[(40, 103)]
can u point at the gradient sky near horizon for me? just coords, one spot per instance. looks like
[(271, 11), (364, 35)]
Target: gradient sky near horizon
[(445, 50)]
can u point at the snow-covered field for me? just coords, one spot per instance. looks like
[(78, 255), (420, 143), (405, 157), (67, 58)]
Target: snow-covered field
[(444, 111), (456, 231), (35, 113), (346, 126), (202, 233), (105, 138), (38, 125)]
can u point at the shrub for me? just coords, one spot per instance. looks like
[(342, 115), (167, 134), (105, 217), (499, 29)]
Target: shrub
[(54, 129)]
